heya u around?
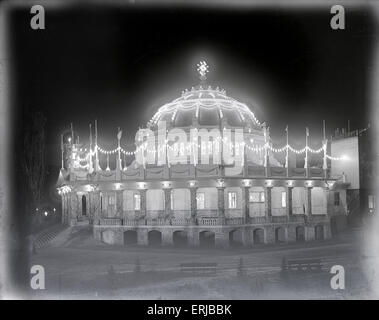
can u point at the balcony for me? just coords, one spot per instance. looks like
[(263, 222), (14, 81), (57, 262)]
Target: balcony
[(215, 221)]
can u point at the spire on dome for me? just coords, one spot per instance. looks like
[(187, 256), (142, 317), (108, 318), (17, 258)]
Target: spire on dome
[(203, 69)]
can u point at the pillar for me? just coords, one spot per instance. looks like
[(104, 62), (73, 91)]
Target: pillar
[(193, 236), (289, 201), (142, 193), (167, 202), (167, 237), (193, 201), (309, 201), (221, 204), (142, 236), (221, 239), (97, 206), (245, 203), (119, 204), (268, 201)]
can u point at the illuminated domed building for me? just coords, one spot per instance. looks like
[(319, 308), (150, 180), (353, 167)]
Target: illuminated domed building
[(204, 172)]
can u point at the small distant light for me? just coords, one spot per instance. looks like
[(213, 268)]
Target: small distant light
[(45, 213), (36, 209), (54, 209), (69, 139)]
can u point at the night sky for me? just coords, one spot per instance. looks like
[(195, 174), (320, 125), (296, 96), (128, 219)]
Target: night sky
[(120, 65)]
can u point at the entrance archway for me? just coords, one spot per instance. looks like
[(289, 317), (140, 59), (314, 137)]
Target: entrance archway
[(280, 235), (207, 239), (179, 238), (319, 232), (154, 238), (130, 237), (258, 236), (300, 234)]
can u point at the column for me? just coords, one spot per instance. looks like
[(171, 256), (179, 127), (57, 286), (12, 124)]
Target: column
[(167, 202), (289, 201), (97, 206), (221, 204), (119, 204), (309, 200), (142, 193), (193, 200), (245, 203), (268, 201)]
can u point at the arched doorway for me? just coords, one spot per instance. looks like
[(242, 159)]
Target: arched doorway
[(179, 238), (235, 238), (154, 238), (207, 239), (319, 232), (258, 236), (280, 235), (84, 205), (130, 237), (300, 234)]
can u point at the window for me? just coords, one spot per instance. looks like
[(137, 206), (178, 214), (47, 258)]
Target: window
[(284, 199), (232, 200), (336, 198), (137, 201), (111, 200), (257, 197), (200, 200)]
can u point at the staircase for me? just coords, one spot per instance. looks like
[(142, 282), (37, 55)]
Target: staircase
[(44, 237)]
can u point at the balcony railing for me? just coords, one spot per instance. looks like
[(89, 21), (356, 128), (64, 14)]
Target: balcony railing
[(214, 221)]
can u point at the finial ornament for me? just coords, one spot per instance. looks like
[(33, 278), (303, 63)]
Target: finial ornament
[(203, 69)]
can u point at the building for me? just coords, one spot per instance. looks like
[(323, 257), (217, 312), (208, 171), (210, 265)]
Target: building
[(185, 192), (359, 171)]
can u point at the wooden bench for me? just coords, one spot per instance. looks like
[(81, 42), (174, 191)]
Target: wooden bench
[(303, 265), (199, 267)]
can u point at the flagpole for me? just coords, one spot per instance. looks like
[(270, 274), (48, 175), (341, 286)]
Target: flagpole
[(325, 142), (97, 167), (90, 148), (287, 146), (62, 150), (306, 150)]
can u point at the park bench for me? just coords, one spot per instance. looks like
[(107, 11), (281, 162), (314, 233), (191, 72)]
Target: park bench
[(302, 265), (199, 267)]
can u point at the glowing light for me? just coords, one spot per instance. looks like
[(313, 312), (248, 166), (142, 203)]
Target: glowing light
[(290, 183), (45, 213), (221, 183), (247, 182), (54, 209), (192, 184), (166, 184), (203, 69)]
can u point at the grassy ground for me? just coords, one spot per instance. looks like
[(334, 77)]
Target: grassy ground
[(84, 268)]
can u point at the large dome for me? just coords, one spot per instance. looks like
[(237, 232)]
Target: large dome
[(206, 106)]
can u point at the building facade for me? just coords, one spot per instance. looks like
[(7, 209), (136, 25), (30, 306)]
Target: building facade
[(186, 194)]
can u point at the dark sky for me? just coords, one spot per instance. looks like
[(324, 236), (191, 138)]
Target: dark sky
[(119, 65)]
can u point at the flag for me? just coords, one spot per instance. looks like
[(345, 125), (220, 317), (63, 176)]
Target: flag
[(287, 128), (119, 134), (307, 131)]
